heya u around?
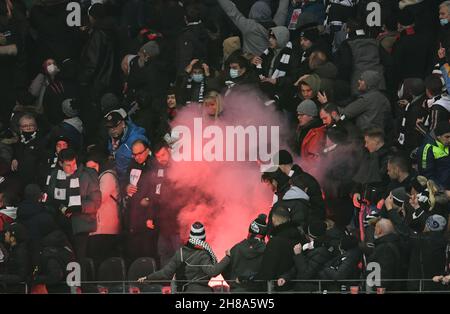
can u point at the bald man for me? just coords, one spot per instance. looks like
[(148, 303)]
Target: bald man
[(388, 255)]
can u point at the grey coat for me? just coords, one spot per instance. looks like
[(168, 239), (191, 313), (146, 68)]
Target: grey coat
[(91, 199), (366, 56), (371, 109), (198, 270), (255, 36)]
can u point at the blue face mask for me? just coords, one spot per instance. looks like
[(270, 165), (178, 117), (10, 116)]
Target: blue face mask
[(197, 78), (443, 22), (234, 73)]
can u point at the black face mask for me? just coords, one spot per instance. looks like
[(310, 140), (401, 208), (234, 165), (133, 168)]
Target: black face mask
[(27, 136)]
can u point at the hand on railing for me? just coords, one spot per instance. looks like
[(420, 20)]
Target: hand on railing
[(142, 279)]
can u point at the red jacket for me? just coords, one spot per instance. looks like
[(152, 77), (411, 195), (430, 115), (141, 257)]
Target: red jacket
[(313, 145)]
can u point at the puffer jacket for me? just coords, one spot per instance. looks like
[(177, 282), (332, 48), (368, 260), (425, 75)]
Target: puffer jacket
[(198, 269)]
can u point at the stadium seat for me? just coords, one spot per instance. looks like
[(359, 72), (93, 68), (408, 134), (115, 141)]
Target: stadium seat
[(87, 275), (140, 268), (111, 276)]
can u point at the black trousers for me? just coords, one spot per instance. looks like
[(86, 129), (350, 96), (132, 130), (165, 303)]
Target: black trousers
[(102, 246), (80, 242)]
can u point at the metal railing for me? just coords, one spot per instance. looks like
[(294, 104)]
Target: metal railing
[(356, 286)]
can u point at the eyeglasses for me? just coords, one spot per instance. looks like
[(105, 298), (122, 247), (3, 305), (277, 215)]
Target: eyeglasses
[(139, 154)]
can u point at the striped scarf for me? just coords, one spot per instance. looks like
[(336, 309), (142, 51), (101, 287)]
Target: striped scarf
[(67, 190), (200, 244), (52, 162), (283, 64), (201, 92)]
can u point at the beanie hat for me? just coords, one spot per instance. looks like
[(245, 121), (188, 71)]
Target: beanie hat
[(151, 48), (399, 195), (259, 225), (308, 107), (68, 108), (436, 223), (197, 231), (284, 157), (312, 34), (316, 229), (442, 128)]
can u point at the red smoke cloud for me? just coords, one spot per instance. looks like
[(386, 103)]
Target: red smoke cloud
[(225, 195)]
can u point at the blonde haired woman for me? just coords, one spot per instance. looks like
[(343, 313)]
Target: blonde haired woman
[(213, 104)]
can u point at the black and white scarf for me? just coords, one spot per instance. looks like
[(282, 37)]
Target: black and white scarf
[(203, 245), (283, 64), (201, 92), (52, 162), (67, 190)]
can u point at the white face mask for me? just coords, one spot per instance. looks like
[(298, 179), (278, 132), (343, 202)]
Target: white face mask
[(52, 69)]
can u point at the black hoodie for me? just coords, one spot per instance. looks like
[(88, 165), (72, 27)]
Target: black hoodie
[(246, 258), (278, 256)]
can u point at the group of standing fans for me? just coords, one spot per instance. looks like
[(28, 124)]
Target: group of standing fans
[(85, 148)]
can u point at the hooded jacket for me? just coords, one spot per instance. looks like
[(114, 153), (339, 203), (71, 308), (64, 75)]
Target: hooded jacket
[(278, 58), (357, 55), (253, 32), (278, 256), (246, 258), (327, 73), (372, 108), (311, 186), (198, 269), (297, 202)]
